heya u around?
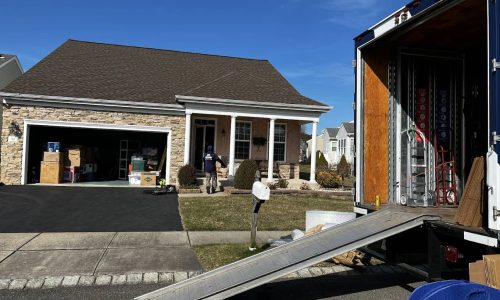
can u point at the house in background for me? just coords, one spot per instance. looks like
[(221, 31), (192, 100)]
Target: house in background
[(345, 138), (122, 100), (10, 69), (330, 145), (319, 146)]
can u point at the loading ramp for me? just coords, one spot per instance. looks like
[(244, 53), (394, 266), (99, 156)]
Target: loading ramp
[(275, 263)]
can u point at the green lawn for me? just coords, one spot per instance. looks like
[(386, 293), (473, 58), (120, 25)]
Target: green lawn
[(214, 256), (234, 212)]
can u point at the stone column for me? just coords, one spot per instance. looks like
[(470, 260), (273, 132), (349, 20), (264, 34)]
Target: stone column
[(270, 160), (187, 139), (232, 138), (313, 152)]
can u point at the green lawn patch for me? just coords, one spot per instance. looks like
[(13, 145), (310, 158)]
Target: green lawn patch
[(214, 256), (234, 212)]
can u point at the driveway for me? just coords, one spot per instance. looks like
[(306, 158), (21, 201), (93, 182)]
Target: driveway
[(86, 209)]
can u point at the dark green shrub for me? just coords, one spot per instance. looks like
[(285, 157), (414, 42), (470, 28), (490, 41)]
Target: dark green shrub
[(321, 162), (245, 175), (187, 176), (328, 179), (282, 183), (343, 169), (272, 185)]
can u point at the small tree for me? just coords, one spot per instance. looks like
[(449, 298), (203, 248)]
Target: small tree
[(245, 175), (343, 168), (321, 162)]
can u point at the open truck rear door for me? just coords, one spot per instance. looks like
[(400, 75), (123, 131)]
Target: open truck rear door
[(493, 163)]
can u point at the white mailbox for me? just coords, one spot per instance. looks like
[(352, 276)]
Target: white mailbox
[(261, 191)]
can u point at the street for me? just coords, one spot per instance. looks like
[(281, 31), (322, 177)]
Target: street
[(379, 286)]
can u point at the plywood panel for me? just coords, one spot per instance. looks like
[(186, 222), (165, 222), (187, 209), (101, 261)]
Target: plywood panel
[(376, 155)]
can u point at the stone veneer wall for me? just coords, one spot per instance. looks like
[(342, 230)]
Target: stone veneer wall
[(11, 155)]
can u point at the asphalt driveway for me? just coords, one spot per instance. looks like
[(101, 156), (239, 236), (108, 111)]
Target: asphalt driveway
[(86, 209)]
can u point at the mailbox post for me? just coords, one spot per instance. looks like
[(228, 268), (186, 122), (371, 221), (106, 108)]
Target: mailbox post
[(260, 194)]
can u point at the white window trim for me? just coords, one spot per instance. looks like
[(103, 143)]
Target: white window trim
[(250, 141), (286, 140), (193, 130)]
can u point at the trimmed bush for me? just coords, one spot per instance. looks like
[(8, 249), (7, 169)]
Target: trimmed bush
[(282, 183), (245, 175), (187, 176), (343, 168), (305, 186), (321, 162), (328, 179)]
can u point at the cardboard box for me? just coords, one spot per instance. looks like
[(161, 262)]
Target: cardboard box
[(492, 270), (148, 179), (51, 172), (71, 174), (53, 156), (477, 272), (76, 156), (134, 178)]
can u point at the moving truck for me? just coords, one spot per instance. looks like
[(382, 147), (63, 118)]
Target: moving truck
[(427, 115)]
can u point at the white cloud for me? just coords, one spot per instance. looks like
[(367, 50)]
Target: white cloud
[(354, 13)]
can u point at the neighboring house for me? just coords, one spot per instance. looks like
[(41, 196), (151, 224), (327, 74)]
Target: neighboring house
[(330, 145), (345, 137), (319, 145), (118, 99), (10, 69)]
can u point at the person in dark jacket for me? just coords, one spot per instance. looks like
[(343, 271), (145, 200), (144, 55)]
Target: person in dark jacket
[(210, 159)]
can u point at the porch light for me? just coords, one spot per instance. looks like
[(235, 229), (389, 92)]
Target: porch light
[(14, 129)]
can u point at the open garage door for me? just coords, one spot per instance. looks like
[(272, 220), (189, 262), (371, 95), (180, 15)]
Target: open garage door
[(94, 154)]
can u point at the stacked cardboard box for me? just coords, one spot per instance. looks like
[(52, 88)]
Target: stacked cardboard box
[(51, 168), (486, 271), (80, 164)]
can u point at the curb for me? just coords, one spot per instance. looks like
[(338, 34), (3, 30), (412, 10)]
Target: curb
[(174, 277)]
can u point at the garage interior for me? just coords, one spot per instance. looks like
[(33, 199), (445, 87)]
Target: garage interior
[(95, 156), (434, 73)]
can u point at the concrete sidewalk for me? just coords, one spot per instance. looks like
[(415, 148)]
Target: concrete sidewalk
[(25, 256)]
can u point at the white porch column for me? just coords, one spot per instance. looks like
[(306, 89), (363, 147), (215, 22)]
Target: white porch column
[(270, 159), (187, 139), (313, 151), (232, 138)]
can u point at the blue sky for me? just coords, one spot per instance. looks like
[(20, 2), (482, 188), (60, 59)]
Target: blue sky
[(308, 41)]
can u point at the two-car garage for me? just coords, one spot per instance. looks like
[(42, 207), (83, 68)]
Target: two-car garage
[(94, 153)]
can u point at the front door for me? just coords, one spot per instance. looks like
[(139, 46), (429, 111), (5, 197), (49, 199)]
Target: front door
[(204, 136)]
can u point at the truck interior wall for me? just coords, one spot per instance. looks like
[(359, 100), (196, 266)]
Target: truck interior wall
[(375, 127)]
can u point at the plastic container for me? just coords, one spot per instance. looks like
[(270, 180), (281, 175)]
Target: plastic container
[(53, 146), (134, 178), (137, 165), (316, 217)]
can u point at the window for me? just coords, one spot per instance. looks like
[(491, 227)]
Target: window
[(342, 146), (243, 135), (352, 147), (334, 146), (280, 142)]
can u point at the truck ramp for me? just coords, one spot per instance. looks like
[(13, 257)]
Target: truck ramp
[(275, 263)]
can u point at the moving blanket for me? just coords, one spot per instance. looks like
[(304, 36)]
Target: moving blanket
[(454, 290)]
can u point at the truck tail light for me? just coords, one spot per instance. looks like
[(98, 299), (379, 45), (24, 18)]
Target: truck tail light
[(451, 254)]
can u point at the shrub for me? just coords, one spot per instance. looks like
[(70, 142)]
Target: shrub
[(245, 175), (343, 168), (187, 176), (272, 185), (328, 179), (304, 186), (282, 183), (321, 162)]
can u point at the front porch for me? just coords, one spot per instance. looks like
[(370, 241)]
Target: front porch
[(272, 141)]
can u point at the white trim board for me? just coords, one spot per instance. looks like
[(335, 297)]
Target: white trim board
[(102, 126), (480, 239)]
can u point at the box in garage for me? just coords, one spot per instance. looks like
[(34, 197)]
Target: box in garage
[(134, 178), (148, 179), (76, 156), (71, 174), (51, 172), (53, 156)]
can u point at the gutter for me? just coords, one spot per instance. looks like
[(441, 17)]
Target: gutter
[(60, 101), (253, 104)]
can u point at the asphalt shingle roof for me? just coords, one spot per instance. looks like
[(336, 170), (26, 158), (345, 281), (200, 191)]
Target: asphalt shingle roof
[(332, 132), (349, 127), (114, 72)]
